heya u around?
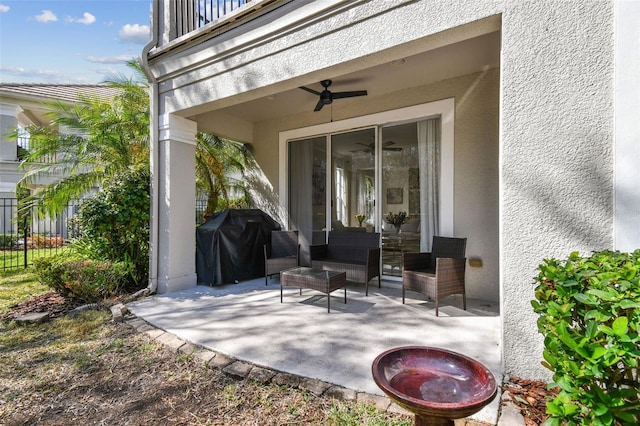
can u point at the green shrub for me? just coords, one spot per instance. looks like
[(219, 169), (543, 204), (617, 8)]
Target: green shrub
[(114, 225), (8, 241), (589, 313), (83, 279)]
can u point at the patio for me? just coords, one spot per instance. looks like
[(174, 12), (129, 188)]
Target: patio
[(247, 321)]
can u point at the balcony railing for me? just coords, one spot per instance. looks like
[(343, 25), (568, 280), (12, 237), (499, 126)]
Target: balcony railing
[(22, 151), (191, 15), (211, 10)]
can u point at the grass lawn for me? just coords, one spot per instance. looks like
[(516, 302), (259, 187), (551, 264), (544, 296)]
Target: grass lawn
[(87, 369), (14, 259), (18, 286)]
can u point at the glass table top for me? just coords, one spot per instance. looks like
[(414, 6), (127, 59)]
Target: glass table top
[(303, 271)]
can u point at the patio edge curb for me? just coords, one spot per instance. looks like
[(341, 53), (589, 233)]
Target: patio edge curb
[(241, 370)]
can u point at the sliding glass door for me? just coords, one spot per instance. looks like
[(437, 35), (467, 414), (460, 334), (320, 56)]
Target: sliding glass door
[(307, 193), (410, 161), (379, 179), (353, 181)]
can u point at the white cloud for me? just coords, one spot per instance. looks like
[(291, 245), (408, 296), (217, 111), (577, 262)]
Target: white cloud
[(105, 70), (21, 72), (46, 16), (139, 34), (4, 8), (24, 75), (87, 19), (120, 59)]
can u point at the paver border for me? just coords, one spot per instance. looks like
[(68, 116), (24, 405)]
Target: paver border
[(241, 370)]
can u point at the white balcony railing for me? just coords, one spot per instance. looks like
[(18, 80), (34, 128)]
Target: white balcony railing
[(193, 14)]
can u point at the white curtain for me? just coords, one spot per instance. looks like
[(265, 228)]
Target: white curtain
[(301, 193), (429, 164)]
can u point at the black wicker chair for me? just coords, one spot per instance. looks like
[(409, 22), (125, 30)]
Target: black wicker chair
[(282, 253), (437, 274)]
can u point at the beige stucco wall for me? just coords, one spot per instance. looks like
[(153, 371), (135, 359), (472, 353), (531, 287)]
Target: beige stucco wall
[(554, 156), (556, 153), (476, 162)]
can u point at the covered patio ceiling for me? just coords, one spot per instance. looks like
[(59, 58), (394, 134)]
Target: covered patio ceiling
[(465, 57)]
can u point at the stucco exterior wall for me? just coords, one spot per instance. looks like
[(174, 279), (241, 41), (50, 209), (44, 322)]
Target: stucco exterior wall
[(555, 151), (248, 62)]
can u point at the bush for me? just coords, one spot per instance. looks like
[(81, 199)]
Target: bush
[(86, 280), (115, 223), (8, 241), (589, 313)]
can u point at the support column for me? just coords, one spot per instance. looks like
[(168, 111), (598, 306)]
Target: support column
[(8, 121), (175, 248)]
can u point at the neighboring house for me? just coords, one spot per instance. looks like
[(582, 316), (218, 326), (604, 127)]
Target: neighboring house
[(510, 123), (22, 105)]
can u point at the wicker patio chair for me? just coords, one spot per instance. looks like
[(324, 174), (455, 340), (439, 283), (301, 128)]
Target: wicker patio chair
[(282, 253), (356, 253), (437, 274)]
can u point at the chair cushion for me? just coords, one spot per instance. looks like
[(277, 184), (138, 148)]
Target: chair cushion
[(421, 273)]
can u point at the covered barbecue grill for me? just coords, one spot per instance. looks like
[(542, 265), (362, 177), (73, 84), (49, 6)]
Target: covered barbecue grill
[(230, 246)]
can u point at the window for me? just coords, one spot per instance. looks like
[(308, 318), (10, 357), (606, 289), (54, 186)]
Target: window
[(341, 196), (340, 169)]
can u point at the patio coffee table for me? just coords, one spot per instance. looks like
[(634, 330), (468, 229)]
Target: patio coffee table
[(314, 279)]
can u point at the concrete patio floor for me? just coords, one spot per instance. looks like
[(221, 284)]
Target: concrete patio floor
[(246, 321)]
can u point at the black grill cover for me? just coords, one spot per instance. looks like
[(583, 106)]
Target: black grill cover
[(230, 246)]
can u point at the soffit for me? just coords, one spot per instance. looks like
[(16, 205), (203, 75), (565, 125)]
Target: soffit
[(462, 58)]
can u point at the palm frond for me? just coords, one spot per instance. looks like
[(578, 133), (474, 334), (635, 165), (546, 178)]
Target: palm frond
[(88, 141)]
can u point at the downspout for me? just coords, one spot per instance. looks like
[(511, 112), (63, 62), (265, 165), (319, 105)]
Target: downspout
[(154, 151)]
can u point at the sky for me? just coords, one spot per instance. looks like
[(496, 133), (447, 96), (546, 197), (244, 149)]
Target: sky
[(71, 41)]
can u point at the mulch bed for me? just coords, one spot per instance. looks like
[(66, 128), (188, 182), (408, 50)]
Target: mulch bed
[(530, 396), (51, 302)]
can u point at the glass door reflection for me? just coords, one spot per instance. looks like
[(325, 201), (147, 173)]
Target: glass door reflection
[(353, 181), (307, 194), (409, 205)]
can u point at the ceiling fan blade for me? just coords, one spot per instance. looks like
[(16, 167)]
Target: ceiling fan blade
[(388, 143), (310, 90), (327, 97), (392, 149), (342, 95)]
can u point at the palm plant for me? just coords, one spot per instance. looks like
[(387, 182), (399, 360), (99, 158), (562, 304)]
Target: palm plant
[(216, 161), (91, 140), (95, 139)]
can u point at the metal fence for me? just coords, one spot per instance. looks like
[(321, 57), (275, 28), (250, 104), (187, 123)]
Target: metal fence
[(24, 236), (201, 207)]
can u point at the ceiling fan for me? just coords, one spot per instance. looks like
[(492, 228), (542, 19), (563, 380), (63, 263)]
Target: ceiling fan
[(327, 97), (386, 146)]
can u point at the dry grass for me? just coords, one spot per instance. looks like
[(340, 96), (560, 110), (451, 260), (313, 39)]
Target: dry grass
[(87, 369)]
